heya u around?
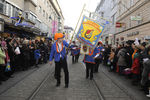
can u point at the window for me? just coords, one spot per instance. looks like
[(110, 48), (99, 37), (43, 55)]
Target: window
[(102, 14), (43, 13), (16, 11), (113, 3), (40, 9), (131, 2), (1, 6), (31, 17), (8, 9), (47, 4), (139, 21), (46, 16), (113, 19)]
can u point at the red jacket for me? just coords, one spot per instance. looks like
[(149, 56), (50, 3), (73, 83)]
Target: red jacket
[(136, 66)]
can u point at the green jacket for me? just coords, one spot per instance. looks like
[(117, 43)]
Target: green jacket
[(2, 56)]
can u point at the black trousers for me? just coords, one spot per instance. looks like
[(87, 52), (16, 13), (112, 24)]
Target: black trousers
[(97, 61), (89, 69), (2, 71), (73, 59), (77, 57), (62, 64)]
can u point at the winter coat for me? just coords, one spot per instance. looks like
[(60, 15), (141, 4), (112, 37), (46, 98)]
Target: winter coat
[(130, 52), (37, 54), (145, 72), (26, 52), (2, 57), (121, 57), (135, 69), (111, 57)]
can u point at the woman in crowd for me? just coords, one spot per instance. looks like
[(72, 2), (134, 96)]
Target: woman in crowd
[(122, 64), (111, 57), (2, 63), (135, 69), (37, 55), (26, 55), (145, 81)]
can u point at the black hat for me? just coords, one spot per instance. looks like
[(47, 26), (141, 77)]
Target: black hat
[(144, 44), (129, 42)]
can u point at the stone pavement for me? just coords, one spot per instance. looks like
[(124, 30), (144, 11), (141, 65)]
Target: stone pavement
[(80, 88), (124, 83), (23, 89)]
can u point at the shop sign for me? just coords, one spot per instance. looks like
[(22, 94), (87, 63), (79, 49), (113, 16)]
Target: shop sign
[(132, 34), (118, 24), (147, 37), (136, 18)]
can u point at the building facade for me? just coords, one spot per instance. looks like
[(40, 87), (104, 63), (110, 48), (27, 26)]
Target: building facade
[(107, 9), (40, 17), (134, 15), (68, 32)]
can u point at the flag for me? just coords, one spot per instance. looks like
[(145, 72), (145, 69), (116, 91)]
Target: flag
[(89, 32)]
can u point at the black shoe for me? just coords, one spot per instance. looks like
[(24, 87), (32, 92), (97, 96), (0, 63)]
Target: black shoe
[(37, 66), (87, 77), (4, 79), (66, 86), (11, 76), (58, 84)]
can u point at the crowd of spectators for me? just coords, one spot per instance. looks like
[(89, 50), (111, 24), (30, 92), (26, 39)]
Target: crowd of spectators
[(20, 54)]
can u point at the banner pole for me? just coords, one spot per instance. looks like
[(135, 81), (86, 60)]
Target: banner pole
[(78, 21), (75, 27)]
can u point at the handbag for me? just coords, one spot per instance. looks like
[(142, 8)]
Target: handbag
[(17, 51), (8, 67)]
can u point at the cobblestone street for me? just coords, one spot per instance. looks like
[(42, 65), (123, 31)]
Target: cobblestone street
[(39, 84)]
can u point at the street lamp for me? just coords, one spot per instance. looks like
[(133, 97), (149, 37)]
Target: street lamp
[(1, 25)]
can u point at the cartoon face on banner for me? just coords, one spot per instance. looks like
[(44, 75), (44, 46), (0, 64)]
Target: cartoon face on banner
[(89, 32), (84, 49)]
